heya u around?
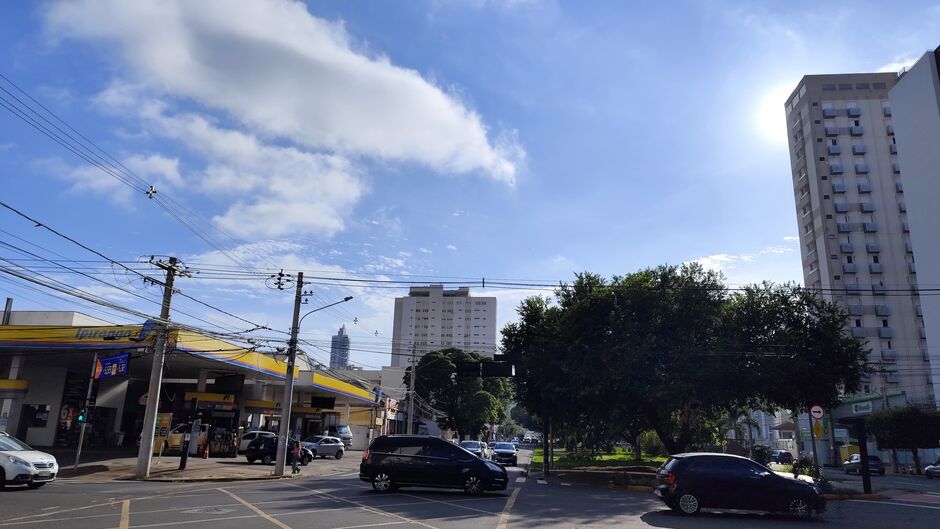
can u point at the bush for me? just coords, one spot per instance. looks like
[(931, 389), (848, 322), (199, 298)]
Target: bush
[(761, 454), (652, 445)]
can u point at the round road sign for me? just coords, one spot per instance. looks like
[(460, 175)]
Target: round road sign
[(817, 412)]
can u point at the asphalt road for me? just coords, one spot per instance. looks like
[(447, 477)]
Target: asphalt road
[(888, 482), (340, 500)]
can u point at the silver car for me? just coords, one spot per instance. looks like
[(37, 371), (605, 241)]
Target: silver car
[(932, 471), (21, 465), (325, 446)]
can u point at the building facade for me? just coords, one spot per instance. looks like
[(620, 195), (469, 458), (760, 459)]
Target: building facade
[(915, 101), (855, 235), (431, 318), (339, 350)]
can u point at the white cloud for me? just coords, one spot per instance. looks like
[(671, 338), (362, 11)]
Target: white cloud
[(424, 250), (778, 262), (156, 168), (900, 62), (451, 247), (791, 238), (6, 146), (285, 73)]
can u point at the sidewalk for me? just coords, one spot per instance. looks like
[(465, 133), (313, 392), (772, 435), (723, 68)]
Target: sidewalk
[(104, 466)]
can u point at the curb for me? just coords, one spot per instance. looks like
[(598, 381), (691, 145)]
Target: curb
[(843, 497)]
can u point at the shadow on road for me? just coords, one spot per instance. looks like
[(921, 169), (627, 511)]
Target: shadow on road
[(672, 519)]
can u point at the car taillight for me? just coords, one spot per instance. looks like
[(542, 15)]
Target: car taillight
[(669, 479), (365, 455)]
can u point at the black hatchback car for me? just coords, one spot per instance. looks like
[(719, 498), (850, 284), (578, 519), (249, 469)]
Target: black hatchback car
[(690, 482), (264, 449), (393, 461)]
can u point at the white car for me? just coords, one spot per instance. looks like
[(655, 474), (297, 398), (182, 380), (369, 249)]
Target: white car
[(248, 437), (21, 465), (932, 471)]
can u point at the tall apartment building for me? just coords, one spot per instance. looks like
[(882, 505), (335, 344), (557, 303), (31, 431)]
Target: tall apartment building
[(431, 318), (915, 101), (852, 214), (339, 350)]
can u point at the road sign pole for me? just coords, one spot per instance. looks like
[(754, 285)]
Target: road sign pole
[(87, 407)]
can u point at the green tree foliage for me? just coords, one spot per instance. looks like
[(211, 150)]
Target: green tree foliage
[(906, 429), (468, 404), (669, 349), (523, 418)]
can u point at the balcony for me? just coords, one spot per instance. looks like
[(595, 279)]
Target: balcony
[(852, 288), (905, 226), (861, 168), (870, 227), (843, 227), (890, 129), (846, 247), (891, 378), (912, 268), (898, 187), (872, 247), (855, 310), (864, 187), (832, 130), (908, 247), (854, 112), (858, 148), (889, 354), (876, 268), (902, 207), (878, 290), (848, 268), (836, 168), (841, 207), (887, 112), (858, 332), (834, 149), (923, 333), (882, 310), (893, 148), (857, 130), (829, 112), (896, 167), (918, 311), (885, 332), (867, 207), (838, 188)]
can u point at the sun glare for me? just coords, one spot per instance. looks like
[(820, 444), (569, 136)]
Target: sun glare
[(769, 114)]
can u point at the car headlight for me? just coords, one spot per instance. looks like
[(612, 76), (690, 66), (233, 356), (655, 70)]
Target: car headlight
[(493, 466), (17, 461)]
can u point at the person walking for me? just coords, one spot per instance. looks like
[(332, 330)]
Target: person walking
[(295, 463)]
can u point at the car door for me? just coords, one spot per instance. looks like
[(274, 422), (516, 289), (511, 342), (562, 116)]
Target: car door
[(759, 489), (331, 446), (246, 440), (449, 463), (723, 486)]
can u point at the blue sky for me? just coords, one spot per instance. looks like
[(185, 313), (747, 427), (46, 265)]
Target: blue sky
[(433, 139)]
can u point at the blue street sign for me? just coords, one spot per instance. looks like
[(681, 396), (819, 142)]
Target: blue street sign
[(112, 366)]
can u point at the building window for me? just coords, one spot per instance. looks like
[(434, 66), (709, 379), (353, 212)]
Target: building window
[(858, 322)]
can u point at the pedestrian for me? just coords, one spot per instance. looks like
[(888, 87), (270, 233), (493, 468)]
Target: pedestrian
[(295, 462)]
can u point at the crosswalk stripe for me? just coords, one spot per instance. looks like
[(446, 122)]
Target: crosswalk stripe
[(520, 479), (541, 482)]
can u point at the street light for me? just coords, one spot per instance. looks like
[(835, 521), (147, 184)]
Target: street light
[(286, 399)]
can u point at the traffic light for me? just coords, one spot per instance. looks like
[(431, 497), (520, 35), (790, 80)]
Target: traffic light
[(497, 369), (469, 369), (82, 415)]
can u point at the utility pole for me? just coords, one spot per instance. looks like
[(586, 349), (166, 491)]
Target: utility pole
[(284, 430), (411, 393), (884, 394), (81, 433), (156, 370)]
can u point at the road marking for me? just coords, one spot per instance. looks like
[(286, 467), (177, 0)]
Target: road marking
[(934, 493), (935, 507), (541, 482), (504, 516), (450, 503), (370, 525), (257, 510), (520, 479), (125, 514), (566, 484), (374, 510)]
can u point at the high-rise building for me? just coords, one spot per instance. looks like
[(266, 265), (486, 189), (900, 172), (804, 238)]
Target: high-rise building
[(431, 318), (339, 350), (854, 231), (915, 102)]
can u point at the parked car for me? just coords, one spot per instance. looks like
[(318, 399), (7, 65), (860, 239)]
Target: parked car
[(264, 449), (690, 482), (324, 446), (853, 465), (932, 471), (477, 448), (343, 432), (21, 465), (515, 441), (248, 437), (505, 453), (174, 440), (393, 461), (782, 457)]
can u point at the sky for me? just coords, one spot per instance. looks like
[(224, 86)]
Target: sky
[(426, 141)]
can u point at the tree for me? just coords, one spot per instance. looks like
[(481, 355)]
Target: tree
[(467, 404), (906, 429)]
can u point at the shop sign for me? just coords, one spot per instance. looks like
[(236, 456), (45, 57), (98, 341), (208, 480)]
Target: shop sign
[(13, 389), (112, 366), (861, 407)]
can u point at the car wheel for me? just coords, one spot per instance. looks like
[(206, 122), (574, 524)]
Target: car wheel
[(313, 454), (927, 473), (473, 485), (799, 507), (382, 482), (688, 504), (305, 460), (35, 485), (251, 460), (266, 459), (3, 479), (339, 455)]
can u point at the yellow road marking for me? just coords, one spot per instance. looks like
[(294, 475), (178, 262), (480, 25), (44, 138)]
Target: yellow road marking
[(257, 511), (504, 516), (364, 506), (125, 514)]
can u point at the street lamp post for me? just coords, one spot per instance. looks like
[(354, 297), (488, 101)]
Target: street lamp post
[(284, 430)]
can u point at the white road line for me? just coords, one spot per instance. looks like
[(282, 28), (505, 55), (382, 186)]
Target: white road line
[(258, 511), (935, 507), (520, 479), (491, 513), (934, 493), (566, 484), (374, 510), (369, 525), (541, 482)]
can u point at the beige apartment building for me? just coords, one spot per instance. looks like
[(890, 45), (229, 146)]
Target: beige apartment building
[(431, 318), (853, 226)]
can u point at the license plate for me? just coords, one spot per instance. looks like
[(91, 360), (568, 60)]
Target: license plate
[(44, 475)]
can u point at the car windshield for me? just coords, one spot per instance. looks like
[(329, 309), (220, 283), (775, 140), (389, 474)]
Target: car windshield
[(313, 439), (471, 445), (8, 443), (342, 430), (505, 446)]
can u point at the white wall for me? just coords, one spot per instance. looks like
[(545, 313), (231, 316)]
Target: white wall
[(111, 394), (45, 387)]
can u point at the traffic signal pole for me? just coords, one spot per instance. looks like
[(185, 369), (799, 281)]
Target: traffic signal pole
[(86, 407), (286, 400)]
